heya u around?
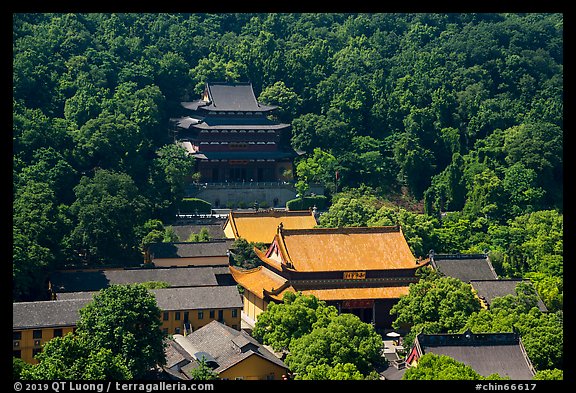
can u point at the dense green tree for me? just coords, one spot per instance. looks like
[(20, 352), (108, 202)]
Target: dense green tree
[(550, 289), (554, 374), (76, 358), (541, 333), (531, 242), (169, 170), (243, 255), (344, 339), (124, 319), (320, 167), (350, 209), (340, 372), (202, 236), (296, 316), (285, 98), (18, 366), (436, 305), (107, 212)]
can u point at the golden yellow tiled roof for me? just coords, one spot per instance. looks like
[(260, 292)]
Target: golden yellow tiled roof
[(261, 226), (346, 249), (263, 282), (258, 280)]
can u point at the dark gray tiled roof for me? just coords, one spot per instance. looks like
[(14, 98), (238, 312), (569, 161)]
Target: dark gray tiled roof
[(234, 97), (214, 248), (490, 289), (215, 229), (465, 267), (76, 295), (83, 281), (198, 298), (50, 313), (486, 353), (226, 345)]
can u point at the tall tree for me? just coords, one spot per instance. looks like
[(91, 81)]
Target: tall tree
[(296, 316), (124, 319), (108, 209), (344, 340)]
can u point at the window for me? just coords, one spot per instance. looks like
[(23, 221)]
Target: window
[(177, 331), (165, 315), (17, 353), (239, 378), (36, 351), (165, 330), (16, 335), (220, 315), (186, 314), (57, 333), (200, 314), (37, 343), (234, 313), (270, 377), (37, 334), (177, 315), (211, 313)]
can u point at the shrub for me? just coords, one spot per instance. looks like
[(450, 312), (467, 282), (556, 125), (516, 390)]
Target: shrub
[(320, 201), (195, 205)]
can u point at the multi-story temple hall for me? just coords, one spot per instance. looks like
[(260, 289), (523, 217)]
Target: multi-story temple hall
[(358, 270), (236, 146), (229, 133)]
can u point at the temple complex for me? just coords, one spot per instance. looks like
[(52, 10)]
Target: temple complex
[(363, 270)]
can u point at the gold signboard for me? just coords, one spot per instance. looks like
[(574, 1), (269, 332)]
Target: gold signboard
[(354, 275)]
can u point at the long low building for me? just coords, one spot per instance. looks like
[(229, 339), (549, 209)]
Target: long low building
[(210, 253), (97, 279), (363, 271), (35, 323), (486, 353), (183, 310)]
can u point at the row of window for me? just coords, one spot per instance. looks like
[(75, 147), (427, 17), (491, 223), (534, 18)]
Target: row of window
[(17, 353), (186, 315), (36, 334)]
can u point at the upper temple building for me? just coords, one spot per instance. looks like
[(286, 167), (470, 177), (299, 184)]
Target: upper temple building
[(362, 270), (232, 138)]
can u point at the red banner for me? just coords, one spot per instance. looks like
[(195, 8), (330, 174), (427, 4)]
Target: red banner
[(357, 303)]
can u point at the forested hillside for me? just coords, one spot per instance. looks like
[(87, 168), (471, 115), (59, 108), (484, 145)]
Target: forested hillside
[(449, 124)]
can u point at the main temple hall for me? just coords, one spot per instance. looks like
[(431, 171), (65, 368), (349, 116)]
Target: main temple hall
[(361, 270)]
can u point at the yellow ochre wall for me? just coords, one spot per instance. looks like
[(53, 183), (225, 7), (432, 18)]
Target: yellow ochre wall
[(253, 305), (228, 231), (26, 343), (171, 324), (254, 368)]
